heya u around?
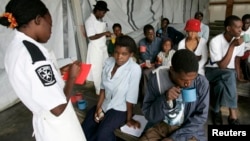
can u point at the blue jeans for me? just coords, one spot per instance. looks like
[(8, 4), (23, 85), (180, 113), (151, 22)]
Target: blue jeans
[(224, 87)]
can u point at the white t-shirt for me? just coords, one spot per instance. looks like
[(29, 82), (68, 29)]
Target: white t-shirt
[(201, 50), (218, 47)]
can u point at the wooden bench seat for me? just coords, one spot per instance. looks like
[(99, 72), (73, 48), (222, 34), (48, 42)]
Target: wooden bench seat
[(243, 89), (124, 136)]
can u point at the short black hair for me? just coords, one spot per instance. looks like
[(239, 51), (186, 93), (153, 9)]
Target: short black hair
[(126, 41), (116, 25), (24, 11), (197, 14), (147, 27), (229, 21), (246, 16), (165, 19), (184, 60)]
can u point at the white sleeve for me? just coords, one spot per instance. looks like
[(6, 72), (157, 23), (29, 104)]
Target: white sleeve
[(215, 50), (241, 49), (89, 27), (133, 92), (47, 90)]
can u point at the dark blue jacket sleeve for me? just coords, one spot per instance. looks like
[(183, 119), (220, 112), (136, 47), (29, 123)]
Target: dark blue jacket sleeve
[(154, 104)]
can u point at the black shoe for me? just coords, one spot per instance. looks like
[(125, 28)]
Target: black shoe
[(217, 118), (233, 121)]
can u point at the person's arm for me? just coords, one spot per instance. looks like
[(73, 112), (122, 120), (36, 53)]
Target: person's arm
[(73, 72), (91, 29), (130, 121), (226, 59), (99, 105), (97, 36), (132, 95), (238, 69)]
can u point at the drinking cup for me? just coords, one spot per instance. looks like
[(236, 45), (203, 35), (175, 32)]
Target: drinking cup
[(82, 104), (188, 94)]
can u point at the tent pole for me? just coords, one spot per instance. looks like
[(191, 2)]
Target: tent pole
[(80, 31)]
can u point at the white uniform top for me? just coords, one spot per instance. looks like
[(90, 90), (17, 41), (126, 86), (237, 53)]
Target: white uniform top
[(40, 87), (97, 50), (201, 50), (218, 47), (122, 87)]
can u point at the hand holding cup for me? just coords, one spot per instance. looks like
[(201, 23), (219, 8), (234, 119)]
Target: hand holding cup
[(113, 38)]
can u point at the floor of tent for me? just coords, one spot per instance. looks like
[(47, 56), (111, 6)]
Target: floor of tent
[(15, 122)]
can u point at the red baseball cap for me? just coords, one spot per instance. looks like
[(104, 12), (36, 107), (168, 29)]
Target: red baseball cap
[(193, 25)]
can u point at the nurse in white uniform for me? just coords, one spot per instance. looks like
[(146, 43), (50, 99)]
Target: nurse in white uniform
[(97, 48), (33, 75)]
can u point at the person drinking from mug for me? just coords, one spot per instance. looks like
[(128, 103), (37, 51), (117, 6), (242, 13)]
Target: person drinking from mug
[(163, 106)]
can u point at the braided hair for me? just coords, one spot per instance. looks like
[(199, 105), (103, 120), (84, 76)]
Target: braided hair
[(22, 12)]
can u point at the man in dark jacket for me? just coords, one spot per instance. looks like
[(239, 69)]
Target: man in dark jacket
[(169, 32), (164, 107)]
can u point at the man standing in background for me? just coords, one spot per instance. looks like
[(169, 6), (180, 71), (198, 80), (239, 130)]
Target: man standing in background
[(204, 28), (97, 48)]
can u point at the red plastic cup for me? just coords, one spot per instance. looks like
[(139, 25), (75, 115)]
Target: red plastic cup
[(73, 99), (143, 48), (78, 96)]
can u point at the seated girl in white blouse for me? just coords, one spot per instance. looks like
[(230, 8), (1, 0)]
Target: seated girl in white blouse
[(164, 57), (119, 92)]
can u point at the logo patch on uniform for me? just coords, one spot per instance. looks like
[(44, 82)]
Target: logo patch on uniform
[(46, 75)]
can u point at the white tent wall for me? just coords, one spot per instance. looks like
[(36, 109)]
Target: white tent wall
[(79, 29), (7, 94), (134, 14), (68, 39)]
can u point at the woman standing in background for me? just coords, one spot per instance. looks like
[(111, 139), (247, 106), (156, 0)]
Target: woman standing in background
[(97, 48)]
